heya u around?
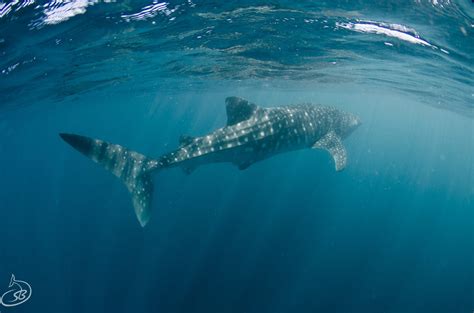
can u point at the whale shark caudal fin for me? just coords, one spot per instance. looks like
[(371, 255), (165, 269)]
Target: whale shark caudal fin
[(131, 167)]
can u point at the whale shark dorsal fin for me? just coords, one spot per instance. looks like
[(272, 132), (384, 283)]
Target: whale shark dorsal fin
[(333, 144), (238, 110), (185, 140)]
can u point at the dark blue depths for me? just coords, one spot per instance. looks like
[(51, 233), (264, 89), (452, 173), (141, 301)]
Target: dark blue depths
[(393, 232)]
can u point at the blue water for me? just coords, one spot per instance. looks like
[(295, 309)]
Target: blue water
[(393, 232)]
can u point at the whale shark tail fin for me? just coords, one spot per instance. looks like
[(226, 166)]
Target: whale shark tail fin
[(131, 167)]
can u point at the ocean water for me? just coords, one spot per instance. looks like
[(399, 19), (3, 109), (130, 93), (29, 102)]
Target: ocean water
[(393, 232)]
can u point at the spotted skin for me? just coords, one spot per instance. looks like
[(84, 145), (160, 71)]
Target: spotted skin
[(269, 131), (252, 134)]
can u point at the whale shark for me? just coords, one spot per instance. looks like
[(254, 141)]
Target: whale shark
[(253, 133)]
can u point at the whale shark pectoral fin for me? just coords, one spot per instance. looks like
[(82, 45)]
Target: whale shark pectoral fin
[(238, 110), (188, 169), (333, 144), (244, 165)]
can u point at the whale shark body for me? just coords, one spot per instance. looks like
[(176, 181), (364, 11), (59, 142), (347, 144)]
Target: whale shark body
[(252, 134)]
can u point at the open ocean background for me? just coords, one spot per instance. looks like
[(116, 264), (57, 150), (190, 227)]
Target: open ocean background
[(392, 233)]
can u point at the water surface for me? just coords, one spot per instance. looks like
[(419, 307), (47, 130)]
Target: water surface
[(393, 232)]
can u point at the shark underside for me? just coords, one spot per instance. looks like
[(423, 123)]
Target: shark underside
[(252, 134)]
